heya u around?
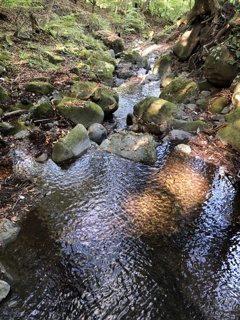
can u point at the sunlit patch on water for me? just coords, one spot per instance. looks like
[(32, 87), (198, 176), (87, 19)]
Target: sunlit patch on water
[(176, 191)]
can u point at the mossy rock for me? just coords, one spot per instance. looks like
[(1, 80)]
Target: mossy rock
[(104, 71), (218, 105), (135, 58), (90, 56), (180, 90), (4, 96), (43, 111), (80, 111), (54, 59), (39, 87), (108, 104), (189, 126), (202, 103), (85, 90), (155, 111), (72, 145), (231, 133), (133, 146), (162, 65)]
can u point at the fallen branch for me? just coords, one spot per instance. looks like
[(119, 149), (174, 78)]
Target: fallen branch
[(13, 113)]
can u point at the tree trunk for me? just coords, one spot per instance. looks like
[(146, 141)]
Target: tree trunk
[(48, 11), (201, 7), (145, 5)]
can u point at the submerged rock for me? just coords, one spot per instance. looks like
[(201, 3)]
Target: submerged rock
[(133, 146), (72, 145), (8, 232)]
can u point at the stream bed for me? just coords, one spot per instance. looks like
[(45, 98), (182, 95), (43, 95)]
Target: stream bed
[(113, 239)]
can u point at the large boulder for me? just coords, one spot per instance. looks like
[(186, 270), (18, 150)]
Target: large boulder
[(230, 134), (8, 232), (187, 43), (162, 65), (153, 113), (80, 111), (39, 87), (180, 90), (72, 145), (133, 146), (220, 67)]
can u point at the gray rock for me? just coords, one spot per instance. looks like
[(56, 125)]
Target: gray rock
[(4, 289), (72, 145), (8, 232), (183, 148), (162, 65), (179, 135), (97, 133), (220, 67), (138, 147), (22, 134)]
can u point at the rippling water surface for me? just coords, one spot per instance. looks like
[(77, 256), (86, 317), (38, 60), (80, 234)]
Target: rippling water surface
[(114, 239)]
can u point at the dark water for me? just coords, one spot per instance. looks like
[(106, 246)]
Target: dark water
[(113, 239)]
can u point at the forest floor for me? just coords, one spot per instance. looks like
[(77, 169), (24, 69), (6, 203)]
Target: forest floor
[(17, 193)]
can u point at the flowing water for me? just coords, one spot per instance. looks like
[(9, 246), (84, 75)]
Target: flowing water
[(114, 239)]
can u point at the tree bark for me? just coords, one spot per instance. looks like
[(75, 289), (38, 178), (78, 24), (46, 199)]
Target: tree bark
[(201, 7), (48, 11)]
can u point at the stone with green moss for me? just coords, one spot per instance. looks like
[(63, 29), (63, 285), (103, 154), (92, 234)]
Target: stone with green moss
[(85, 90), (189, 126), (134, 57), (4, 96), (54, 59), (162, 65), (230, 134), (180, 90), (72, 145), (39, 87), (104, 71), (80, 111), (220, 67), (89, 56), (133, 146), (218, 105), (43, 111)]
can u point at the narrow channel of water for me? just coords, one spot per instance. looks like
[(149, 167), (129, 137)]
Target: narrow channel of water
[(114, 239)]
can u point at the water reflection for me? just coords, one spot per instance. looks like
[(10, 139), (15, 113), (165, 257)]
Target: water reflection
[(211, 260)]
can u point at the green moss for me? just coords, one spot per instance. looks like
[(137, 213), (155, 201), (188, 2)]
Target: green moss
[(218, 105), (231, 134), (44, 110), (39, 87), (4, 96), (180, 90), (192, 126)]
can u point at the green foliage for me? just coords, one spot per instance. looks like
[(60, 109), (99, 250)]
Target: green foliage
[(233, 43), (17, 3), (134, 21)]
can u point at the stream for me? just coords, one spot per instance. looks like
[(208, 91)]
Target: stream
[(113, 239)]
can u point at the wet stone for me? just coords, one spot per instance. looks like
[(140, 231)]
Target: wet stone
[(8, 232)]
